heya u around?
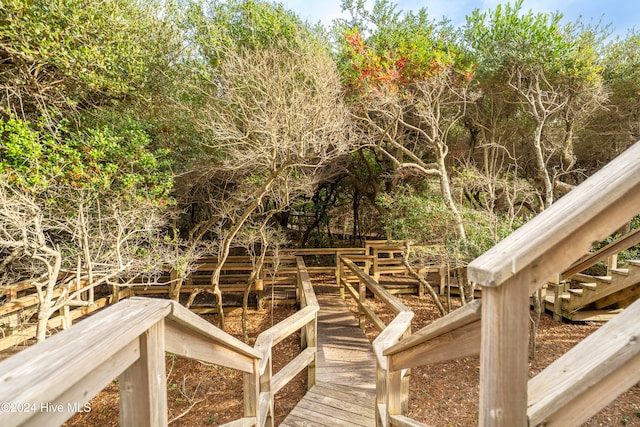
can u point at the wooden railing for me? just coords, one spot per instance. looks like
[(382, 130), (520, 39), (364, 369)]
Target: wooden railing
[(607, 253), (50, 381), (392, 387), (585, 379)]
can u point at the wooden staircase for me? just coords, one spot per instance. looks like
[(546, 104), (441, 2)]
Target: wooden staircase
[(584, 297)]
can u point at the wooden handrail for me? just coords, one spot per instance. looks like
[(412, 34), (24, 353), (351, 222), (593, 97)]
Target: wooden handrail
[(567, 392), (521, 264), (379, 291), (574, 387), (453, 336), (625, 242), (66, 370), (51, 381)]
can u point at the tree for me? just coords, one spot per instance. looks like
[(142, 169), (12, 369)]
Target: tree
[(552, 70), (79, 209), (270, 113), (619, 122), (68, 55), (407, 83)]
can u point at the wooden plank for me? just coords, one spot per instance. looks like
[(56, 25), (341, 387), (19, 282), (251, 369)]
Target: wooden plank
[(182, 316), (342, 397), (143, 385), (291, 324), (395, 305), (503, 355), (242, 422), (585, 365), (44, 370), (183, 341), (630, 239), (305, 280), (355, 395), (286, 374), (398, 328), (329, 405), (402, 421), (562, 233), (470, 313), (596, 397), (251, 391), (456, 344), (32, 299), (74, 398), (55, 322), (336, 409)]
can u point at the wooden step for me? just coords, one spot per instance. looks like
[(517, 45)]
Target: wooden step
[(589, 285), (580, 277), (635, 262), (620, 271), (592, 315), (577, 292)]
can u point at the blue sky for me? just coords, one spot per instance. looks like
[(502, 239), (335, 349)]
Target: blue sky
[(622, 14)]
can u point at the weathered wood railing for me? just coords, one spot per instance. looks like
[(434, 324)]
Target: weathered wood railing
[(392, 387), (49, 382), (585, 379), (630, 239)]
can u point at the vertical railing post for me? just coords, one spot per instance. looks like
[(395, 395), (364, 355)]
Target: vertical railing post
[(251, 390), (612, 263), (143, 385), (503, 353), (312, 341), (340, 274), (376, 266), (381, 395), (362, 297), (394, 388), (265, 387), (558, 289), (404, 389)]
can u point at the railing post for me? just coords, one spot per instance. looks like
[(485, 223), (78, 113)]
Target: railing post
[(612, 263), (265, 387), (362, 297), (503, 353), (558, 290), (404, 388), (143, 385), (312, 341), (381, 395), (339, 274), (251, 390), (376, 267)]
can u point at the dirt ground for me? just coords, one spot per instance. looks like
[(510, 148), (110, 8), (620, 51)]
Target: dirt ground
[(440, 395)]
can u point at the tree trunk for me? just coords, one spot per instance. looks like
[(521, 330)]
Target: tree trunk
[(535, 321), (543, 173), (448, 198), (425, 283), (175, 284)]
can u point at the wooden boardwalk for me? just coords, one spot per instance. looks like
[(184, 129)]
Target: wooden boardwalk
[(344, 394)]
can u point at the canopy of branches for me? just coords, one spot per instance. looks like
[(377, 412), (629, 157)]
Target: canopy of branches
[(147, 133)]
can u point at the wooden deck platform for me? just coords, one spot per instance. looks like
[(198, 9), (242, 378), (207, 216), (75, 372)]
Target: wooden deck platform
[(344, 394)]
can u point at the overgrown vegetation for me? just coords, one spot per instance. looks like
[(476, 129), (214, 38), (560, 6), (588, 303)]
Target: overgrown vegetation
[(137, 135)]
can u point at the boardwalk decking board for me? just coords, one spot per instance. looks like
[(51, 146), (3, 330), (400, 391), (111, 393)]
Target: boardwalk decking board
[(344, 394)]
